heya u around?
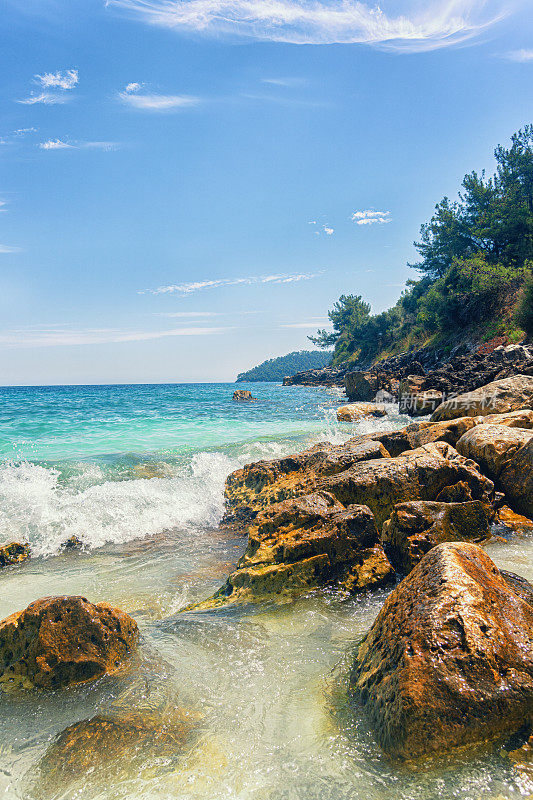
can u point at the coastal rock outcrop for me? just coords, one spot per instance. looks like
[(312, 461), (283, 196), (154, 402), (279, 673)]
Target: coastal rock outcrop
[(356, 411), (242, 396), (416, 401), (493, 446), (449, 659), (258, 485), (303, 543), (516, 479), (13, 553), (420, 474), (415, 527), (497, 397), (61, 641)]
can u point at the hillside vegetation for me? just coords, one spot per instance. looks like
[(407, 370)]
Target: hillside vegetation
[(275, 369), (475, 271)]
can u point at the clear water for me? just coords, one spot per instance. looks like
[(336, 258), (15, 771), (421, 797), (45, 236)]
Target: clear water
[(137, 473)]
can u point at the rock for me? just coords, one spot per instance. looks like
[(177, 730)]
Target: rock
[(415, 527), (513, 419), (492, 446), (242, 396), (419, 474), (356, 411), (107, 746), (72, 543), (501, 396), (258, 485), (516, 479), (13, 553), (360, 386), (449, 659), (515, 522), (305, 543), (61, 641)]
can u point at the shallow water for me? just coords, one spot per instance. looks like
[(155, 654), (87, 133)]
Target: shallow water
[(265, 687)]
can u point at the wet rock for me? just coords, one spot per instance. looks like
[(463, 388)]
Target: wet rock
[(13, 553), (60, 641), (73, 543), (356, 411), (304, 543), (493, 446), (242, 396), (415, 527), (258, 485), (498, 397), (110, 746), (515, 522), (513, 419), (516, 479), (449, 659), (419, 474)]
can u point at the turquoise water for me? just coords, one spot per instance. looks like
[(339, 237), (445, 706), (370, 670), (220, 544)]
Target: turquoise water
[(137, 473)]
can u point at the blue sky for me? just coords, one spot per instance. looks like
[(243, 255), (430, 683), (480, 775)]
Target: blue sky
[(187, 186)]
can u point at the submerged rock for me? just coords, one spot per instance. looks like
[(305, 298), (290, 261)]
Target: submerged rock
[(13, 553), (356, 411), (258, 485), (498, 397), (419, 474), (61, 641), (415, 527), (449, 659), (304, 543)]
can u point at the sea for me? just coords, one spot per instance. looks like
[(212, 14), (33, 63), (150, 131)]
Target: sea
[(136, 473)]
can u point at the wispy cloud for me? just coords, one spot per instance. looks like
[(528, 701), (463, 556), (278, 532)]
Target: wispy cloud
[(197, 286), (59, 144), (5, 248), (130, 96), (288, 83), (522, 56), (47, 98), (328, 231), (54, 86), (370, 217), (414, 27), (310, 324), (58, 80), (187, 314), (61, 336), (24, 131)]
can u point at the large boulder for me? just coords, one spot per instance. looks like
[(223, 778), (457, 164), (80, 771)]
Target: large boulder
[(353, 412), (258, 485), (516, 479), (415, 527), (449, 659), (493, 446), (415, 400), (61, 641), (305, 543), (242, 396), (498, 397), (361, 386), (420, 474)]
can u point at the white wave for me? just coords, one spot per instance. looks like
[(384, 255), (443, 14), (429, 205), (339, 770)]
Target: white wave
[(36, 507)]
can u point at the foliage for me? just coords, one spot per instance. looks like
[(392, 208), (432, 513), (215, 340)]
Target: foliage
[(475, 252), (524, 312), (275, 369)]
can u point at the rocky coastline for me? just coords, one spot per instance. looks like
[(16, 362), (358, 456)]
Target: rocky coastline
[(448, 661)]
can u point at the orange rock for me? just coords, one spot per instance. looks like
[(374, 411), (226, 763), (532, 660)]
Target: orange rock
[(61, 641), (305, 543), (516, 522), (449, 659), (13, 553)]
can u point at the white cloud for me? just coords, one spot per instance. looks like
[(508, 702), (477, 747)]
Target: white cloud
[(181, 314), (59, 144), (328, 231), (58, 80), (370, 217), (55, 144), (5, 248), (522, 56), (24, 131), (48, 98), (310, 324), (197, 286), (288, 83), (414, 27), (155, 102), (60, 336)]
